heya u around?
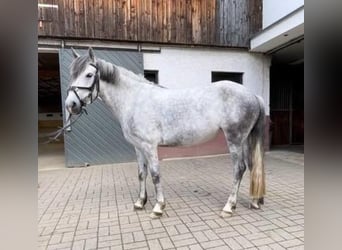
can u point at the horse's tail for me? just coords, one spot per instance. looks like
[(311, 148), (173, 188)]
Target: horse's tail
[(256, 149)]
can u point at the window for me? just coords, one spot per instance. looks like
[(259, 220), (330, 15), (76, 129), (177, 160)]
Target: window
[(151, 75), (231, 76)]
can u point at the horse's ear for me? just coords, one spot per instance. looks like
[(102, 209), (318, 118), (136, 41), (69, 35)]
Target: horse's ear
[(91, 53), (74, 53)]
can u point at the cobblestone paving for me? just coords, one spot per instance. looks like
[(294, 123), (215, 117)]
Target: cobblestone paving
[(92, 208)]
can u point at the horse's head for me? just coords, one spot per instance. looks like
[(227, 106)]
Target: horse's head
[(85, 80)]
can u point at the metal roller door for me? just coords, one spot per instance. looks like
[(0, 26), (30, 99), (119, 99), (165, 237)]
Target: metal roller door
[(97, 138)]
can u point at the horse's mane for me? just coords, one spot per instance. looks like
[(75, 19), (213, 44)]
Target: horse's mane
[(138, 77), (109, 72), (132, 75)]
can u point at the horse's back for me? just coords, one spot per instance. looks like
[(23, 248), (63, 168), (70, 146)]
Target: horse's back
[(190, 116), (221, 105), (234, 89)]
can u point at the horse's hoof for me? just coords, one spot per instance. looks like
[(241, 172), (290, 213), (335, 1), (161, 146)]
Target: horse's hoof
[(226, 214), (159, 207), (228, 209), (155, 215), (139, 204), (254, 205)]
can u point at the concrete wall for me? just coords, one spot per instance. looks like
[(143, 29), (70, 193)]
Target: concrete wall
[(273, 10), (190, 67)]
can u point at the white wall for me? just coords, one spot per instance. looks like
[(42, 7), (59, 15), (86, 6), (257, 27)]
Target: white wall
[(190, 67), (273, 10)]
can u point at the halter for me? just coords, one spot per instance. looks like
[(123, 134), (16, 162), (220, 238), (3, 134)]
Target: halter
[(95, 84)]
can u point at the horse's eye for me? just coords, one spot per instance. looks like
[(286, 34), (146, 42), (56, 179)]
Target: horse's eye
[(89, 75)]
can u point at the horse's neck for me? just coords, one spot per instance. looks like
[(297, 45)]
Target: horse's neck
[(118, 91)]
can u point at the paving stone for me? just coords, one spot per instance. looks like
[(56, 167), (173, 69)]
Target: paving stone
[(233, 244), (166, 243), (291, 243), (212, 243), (262, 242), (200, 236), (154, 244), (91, 208), (185, 242)]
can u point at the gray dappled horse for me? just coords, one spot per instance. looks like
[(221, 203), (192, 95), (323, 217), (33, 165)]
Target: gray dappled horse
[(152, 116)]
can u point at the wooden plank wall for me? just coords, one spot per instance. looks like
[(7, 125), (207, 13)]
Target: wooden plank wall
[(194, 22)]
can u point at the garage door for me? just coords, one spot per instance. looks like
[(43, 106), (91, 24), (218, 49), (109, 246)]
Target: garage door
[(97, 138)]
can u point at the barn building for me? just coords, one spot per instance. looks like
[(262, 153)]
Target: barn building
[(178, 44)]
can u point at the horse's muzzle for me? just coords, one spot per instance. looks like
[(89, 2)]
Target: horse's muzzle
[(73, 105)]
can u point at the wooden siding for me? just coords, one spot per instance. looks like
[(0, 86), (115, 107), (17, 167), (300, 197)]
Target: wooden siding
[(194, 22)]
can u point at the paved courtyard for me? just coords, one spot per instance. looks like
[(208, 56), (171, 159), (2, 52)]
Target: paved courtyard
[(92, 208)]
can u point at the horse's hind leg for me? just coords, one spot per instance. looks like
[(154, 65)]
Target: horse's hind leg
[(236, 152), (142, 174)]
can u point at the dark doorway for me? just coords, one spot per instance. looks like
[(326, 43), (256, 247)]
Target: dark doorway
[(50, 116), (287, 104), (49, 91), (49, 87)]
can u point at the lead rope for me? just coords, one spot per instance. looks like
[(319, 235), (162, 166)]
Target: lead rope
[(54, 135)]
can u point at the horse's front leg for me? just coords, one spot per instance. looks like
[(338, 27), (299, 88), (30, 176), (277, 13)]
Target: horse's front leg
[(153, 163), (142, 174)]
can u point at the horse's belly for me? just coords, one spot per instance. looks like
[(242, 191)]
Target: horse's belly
[(187, 137)]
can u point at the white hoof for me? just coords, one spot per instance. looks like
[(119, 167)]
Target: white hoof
[(226, 214), (158, 208), (254, 205), (154, 215), (139, 204), (157, 211), (229, 207)]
